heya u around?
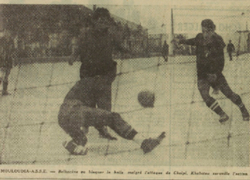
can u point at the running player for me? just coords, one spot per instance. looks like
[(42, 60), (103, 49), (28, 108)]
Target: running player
[(210, 63)]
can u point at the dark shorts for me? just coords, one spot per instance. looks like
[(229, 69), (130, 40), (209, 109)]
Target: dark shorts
[(71, 119), (75, 118), (220, 83)]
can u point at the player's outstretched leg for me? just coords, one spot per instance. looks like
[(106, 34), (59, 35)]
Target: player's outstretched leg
[(84, 116), (204, 86), (149, 144), (123, 129), (235, 98), (103, 133), (71, 121)]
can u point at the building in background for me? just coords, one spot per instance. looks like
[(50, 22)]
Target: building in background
[(50, 30), (135, 37)]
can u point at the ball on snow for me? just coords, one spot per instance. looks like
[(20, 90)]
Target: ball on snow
[(146, 98)]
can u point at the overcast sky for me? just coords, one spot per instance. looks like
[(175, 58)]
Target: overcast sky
[(155, 14), (186, 19)]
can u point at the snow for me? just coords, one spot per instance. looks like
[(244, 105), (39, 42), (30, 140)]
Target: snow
[(194, 137)]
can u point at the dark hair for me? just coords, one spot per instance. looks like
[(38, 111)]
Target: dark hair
[(101, 12), (208, 23)]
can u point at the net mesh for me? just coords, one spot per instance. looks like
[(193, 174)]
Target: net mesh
[(29, 128), (31, 134)]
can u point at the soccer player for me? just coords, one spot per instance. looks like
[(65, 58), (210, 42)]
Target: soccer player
[(230, 49), (77, 114), (210, 63), (7, 49), (95, 46)]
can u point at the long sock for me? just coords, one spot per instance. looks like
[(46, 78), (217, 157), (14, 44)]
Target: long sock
[(216, 108), (122, 128), (236, 99), (243, 110)]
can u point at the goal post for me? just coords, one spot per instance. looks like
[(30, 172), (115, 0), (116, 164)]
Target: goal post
[(171, 34), (243, 44)]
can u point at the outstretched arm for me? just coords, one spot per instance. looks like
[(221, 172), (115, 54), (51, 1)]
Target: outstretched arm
[(191, 42)]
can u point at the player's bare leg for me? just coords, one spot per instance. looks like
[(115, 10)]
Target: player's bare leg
[(84, 116)]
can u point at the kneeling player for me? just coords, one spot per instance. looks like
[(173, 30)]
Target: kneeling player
[(75, 116)]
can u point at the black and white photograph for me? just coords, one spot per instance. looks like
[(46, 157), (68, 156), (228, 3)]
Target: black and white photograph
[(125, 89)]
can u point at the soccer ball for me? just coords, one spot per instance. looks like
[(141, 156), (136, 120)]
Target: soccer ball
[(146, 98)]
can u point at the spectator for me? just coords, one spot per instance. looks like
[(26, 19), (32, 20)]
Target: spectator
[(165, 50), (230, 49), (7, 50)]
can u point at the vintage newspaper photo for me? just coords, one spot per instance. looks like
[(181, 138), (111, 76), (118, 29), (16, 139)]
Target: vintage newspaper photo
[(124, 89)]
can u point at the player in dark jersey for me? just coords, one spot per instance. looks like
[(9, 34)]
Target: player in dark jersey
[(94, 49), (77, 114), (7, 50), (165, 51), (210, 63), (230, 49)]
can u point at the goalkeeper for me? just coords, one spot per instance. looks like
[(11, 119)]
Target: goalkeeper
[(210, 63), (77, 114), (94, 49)]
